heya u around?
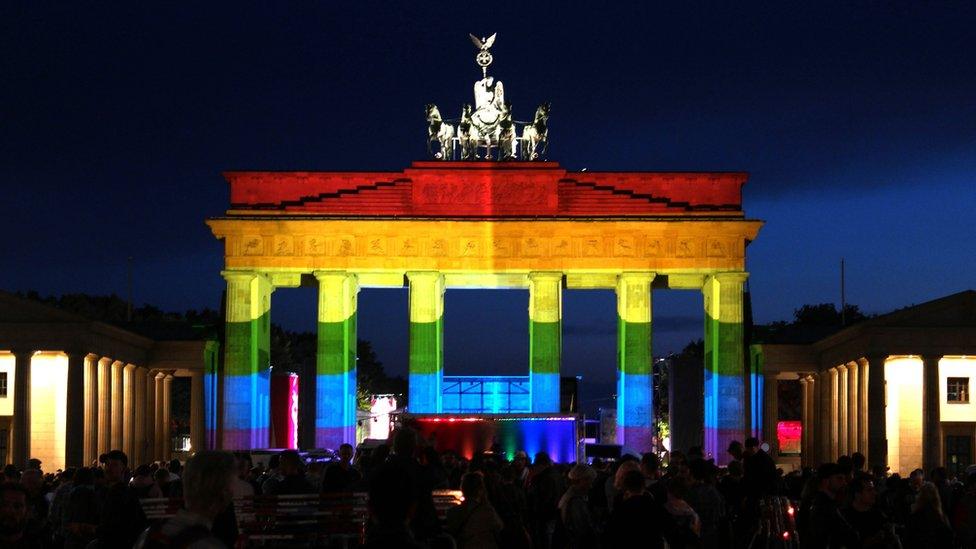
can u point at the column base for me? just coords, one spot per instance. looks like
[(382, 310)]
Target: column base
[(337, 424), (635, 428)]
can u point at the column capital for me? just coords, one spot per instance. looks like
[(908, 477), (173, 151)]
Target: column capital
[(545, 275), (841, 368), (874, 358), (636, 276), (327, 275), (729, 277), (129, 367), (931, 358), (238, 276), (22, 352)]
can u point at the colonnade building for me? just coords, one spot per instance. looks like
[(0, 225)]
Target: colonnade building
[(501, 225), (72, 388), (895, 387)]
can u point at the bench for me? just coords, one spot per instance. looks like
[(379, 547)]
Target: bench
[(322, 520)]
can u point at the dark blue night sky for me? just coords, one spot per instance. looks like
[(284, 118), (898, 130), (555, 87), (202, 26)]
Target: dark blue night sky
[(856, 122)]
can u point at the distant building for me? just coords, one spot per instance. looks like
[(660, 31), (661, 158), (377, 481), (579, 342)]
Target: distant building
[(896, 388), (72, 388)]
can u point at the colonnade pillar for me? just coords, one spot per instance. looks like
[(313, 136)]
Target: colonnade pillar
[(545, 339), (724, 363), (117, 410), (426, 341), (824, 417), (335, 360), (931, 414), (22, 407), (862, 406), (128, 411), (167, 384), (877, 417), (842, 447), (197, 420), (150, 391), (635, 401), (104, 406), (91, 410), (247, 379), (139, 445), (162, 420), (74, 428), (770, 403), (853, 410), (805, 421)]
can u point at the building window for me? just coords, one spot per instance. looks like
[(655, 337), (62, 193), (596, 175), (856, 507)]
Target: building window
[(957, 390), (3, 384)]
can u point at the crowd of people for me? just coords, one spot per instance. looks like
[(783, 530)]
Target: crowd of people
[(685, 502)]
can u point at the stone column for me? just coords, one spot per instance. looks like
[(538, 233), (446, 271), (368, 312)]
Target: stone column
[(162, 420), (834, 414), (139, 445), (22, 407), (426, 341), (167, 414), (725, 419), (862, 406), (771, 413), (247, 379), (152, 452), (877, 417), (104, 405), (842, 447), (91, 410), (931, 413), (824, 418), (853, 411), (804, 421), (128, 412), (335, 360), (74, 427), (117, 439), (546, 340), (198, 428), (635, 363)]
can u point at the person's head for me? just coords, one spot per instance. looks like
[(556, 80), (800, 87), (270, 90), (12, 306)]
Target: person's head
[(115, 464), (290, 463), (34, 463), (735, 449), (928, 499), (521, 460), (84, 477), (542, 460), (917, 478), (858, 461), (32, 480), (939, 475), (405, 442), (473, 487), (346, 452), (650, 465), (161, 476), (862, 488), (175, 466), (624, 468), (11, 473), (734, 469), (632, 483), (207, 481), (831, 478), (14, 509), (846, 465), (701, 471), (243, 460), (752, 446), (143, 471), (582, 476)]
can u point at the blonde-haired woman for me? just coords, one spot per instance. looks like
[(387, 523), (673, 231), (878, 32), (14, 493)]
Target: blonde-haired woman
[(927, 526)]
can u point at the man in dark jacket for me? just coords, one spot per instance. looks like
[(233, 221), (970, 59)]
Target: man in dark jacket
[(825, 527)]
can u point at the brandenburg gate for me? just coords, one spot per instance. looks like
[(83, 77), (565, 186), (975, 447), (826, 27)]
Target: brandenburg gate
[(498, 218)]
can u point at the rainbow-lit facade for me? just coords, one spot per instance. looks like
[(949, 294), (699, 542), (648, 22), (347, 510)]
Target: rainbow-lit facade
[(522, 225)]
